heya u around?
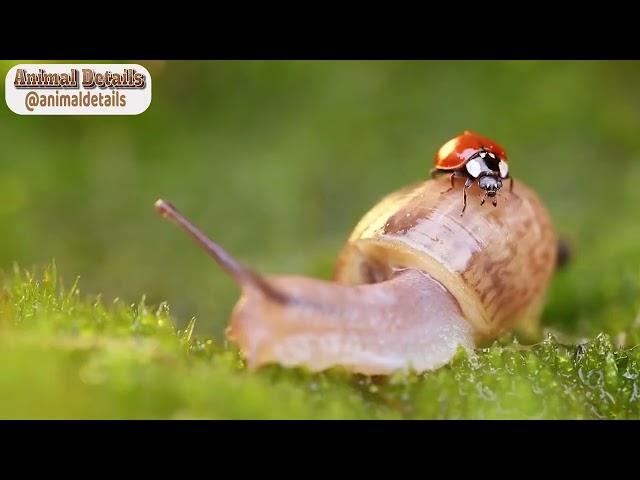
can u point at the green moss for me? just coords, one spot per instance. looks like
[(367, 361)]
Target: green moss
[(63, 355)]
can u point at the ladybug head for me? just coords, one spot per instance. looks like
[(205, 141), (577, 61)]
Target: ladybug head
[(490, 184)]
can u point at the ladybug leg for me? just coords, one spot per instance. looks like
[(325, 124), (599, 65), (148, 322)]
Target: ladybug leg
[(467, 184), (484, 199), (451, 177), (510, 184)]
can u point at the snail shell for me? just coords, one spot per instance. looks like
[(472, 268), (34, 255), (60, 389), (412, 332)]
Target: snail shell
[(496, 262), (415, 282)]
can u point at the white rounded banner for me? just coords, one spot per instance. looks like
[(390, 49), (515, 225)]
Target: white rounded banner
[(78, 89)]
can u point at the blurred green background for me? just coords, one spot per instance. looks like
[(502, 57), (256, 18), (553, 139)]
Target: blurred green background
[(278, 160)]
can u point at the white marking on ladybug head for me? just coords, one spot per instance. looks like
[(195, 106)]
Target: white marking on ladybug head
[(492, 155), (483, 154), (474, 168), (504, 169)]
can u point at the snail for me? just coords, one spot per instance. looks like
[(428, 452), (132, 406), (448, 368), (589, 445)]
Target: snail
[(414, 282)]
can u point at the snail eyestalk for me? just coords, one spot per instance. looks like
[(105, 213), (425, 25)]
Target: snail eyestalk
[(229, 264)]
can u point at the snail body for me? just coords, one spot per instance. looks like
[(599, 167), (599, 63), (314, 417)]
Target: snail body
[(414, 282)]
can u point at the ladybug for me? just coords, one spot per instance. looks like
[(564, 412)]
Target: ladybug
[(474, 157)]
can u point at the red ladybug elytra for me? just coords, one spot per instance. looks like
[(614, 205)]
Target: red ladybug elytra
[(474, 157)]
